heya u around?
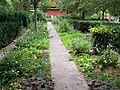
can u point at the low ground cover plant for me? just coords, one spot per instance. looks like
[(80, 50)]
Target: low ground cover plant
[(30, 57)]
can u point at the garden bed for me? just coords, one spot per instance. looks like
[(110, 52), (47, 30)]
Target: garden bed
[(29, 58), (101, 67)]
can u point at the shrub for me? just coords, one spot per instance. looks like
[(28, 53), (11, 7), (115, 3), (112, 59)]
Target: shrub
[(101, 37), (14, 16), (10, 26), (81, 45), (41, 16), (8, 32), (64, 26), (106, 36), (115, 38), (73, 16), (22, 18), (55, 20)]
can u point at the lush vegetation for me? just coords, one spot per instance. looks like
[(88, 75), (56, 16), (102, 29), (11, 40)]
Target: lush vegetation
[(102, 65), (85, 8), (93, 51), (106, 36), (10, 26), (30, 57)]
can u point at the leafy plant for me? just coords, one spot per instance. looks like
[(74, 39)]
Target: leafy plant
[(106, 59), (64, 26), (104, 36), (81, 45), (86, 63), (28, 58)]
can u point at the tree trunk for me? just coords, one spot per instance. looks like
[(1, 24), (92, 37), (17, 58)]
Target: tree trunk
[(35, 17), (103, 14), (83, 15)]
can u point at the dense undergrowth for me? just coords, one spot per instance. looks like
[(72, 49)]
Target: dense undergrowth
[(29, 57), (96, 65)]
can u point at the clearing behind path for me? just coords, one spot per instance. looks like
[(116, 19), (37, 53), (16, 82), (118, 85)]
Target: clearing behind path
[(64, 71)]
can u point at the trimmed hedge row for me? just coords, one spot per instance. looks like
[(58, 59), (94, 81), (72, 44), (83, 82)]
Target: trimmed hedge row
[(10, 26), (83, 26), (8, 32), (17, 16)]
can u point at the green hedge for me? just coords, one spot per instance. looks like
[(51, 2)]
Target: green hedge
[(73, 16), (14, 16), (83, 26), (10, 26), (8, 32)]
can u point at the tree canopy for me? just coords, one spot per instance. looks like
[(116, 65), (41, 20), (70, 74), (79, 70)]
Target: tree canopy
[(88, 7)]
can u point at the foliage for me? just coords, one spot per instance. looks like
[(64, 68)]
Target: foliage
[(54, 21), (115, 38), (82, 7), (27, 59), (86, 8), (35, 40), (10, 26), (114, 8), (106, 59), (105, 36), (86, 63), (103, 66), (74, 40), (83, 25), (40, 16), (20, 17), (64, 26), (81, 45), (101, 37), (73, 16)]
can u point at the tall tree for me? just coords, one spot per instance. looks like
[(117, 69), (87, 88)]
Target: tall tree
[(114, 8), (35, 4), (82, 7), (101, 5)]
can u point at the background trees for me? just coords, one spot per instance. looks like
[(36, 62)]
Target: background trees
[(26, 6), (89, 7)]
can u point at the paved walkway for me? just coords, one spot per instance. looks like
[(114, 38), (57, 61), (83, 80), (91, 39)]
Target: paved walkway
[(64, 72)]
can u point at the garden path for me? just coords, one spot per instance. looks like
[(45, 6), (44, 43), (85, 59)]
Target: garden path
[(64, 71)]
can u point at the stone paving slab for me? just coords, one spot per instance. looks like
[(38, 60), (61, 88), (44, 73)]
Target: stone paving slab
[(64, 71)]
